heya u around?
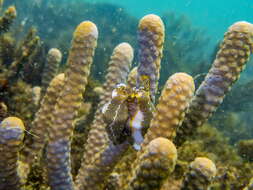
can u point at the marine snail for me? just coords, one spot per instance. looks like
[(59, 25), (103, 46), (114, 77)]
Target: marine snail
[(128, 114)]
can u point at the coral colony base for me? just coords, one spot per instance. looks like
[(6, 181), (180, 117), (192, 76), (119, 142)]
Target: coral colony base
[(129, 126)]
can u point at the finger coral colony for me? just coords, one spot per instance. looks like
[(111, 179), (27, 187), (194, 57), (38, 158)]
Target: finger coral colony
[(138, 138)]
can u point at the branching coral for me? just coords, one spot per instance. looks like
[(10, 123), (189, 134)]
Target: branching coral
[(97, 139), (151, 39), (37, 140), (127, 115), (11, 137), (69, 100), (230, 61)]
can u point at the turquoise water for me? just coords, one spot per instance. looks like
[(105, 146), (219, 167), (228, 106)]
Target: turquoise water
[(213, 15)]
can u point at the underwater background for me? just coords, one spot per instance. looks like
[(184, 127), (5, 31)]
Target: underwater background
[(213, 16), (194, 31)]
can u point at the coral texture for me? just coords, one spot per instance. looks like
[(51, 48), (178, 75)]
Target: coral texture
[(11, 137), (201, 174), (129, 144), (230, 61), (7, 19), (43, 119), (150, 40), (154, 165), (68, 102), (54, 57), (118, 69)]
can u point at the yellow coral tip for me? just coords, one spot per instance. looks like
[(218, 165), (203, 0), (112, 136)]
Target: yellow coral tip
[(54, 52), (57, 79), (86, 28), (13, 122), (205, 166), (242, 26), (123, 45), (150, 21), (60, 76), (163, 146), (182, 77), (12, 10), (126, 49)]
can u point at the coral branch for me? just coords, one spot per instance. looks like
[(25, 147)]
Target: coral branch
[(201, 174), (43, 119), (132, 77), (119, 64), (117, 72), (154, 165), (229, 63), (150, 39), (102, 165), (54, 57), (126, 113), (171, 108), (68, 102), (11, 137), (7, 19)]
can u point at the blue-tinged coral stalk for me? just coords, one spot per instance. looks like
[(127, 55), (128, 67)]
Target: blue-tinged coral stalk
[(11, 138), (230, 61), (69, 100)]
